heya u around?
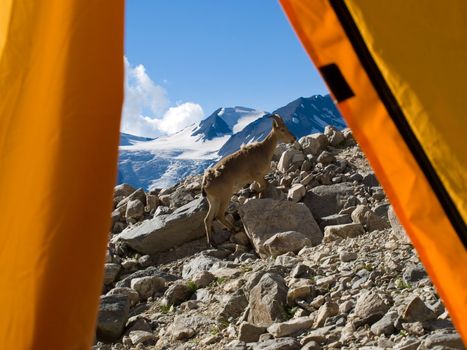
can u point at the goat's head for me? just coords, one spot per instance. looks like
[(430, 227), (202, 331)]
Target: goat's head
[(280, 129)]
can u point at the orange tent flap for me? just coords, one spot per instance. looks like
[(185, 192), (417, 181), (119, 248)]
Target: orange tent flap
[(383, 99), (61, 78)]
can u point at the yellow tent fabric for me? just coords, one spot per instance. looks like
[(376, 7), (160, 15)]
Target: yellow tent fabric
[(61, 83), (397, 70)]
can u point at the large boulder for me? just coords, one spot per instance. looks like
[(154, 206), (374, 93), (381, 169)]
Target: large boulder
[(166, 231), (327, 200), (267, 301), (263, 218)]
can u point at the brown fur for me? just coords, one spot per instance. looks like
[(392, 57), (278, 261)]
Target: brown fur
[(250, 163)]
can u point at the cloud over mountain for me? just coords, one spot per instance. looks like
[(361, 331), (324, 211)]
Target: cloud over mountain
[(147, 110)]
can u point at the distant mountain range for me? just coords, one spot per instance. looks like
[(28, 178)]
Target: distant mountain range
[(163, 161)]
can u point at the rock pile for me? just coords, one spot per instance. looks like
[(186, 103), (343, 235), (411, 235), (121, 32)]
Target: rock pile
[(318, 262)]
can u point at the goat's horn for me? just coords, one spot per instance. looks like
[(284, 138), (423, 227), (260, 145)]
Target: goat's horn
[(277, 118)]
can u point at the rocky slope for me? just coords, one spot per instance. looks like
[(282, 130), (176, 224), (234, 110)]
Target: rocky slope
[(329, 268)]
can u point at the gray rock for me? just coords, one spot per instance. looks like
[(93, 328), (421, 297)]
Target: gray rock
[(123, 190), (358, 215), (164, 232), (312, 345), (284, 242), (132, 295), (414, 273), (326, 158), (335, 137), (370, 180), (313, 144), (234, 306), (283, 329), (185, 327), (302, 271), (111, 272), (197, 264), (381, 210), (113, 314), (363, 215), (134, 211), (375, 222), (141, 337), (335, 219), (318, 335), (444, 341), (253, 280), (180, 197), (138, 194), (369, 303), (328, 199), (356, 177), (298, 293), (146, 286), (177, 293), (296, 192), (152, 202), (338, 232), (248, 332), (236, 345), (267, 300), (203, 278), (286, 160), (397, 228), (414, 328), (278, 344), (150, 271), (262, 218), (416, 310), (385, 325), (145, 261), (162, 210), (348, 256), (327, 310)]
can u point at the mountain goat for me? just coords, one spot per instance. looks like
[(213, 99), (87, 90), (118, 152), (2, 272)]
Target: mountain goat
[(250, 163)]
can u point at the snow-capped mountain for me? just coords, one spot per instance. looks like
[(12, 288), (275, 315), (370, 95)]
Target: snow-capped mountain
[(128, 139), (303, 116), (163, 161)]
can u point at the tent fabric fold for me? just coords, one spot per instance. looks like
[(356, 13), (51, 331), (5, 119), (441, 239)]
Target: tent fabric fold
[(406, 111), (61, 83)]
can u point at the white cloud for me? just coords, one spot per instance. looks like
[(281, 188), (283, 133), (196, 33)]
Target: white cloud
[(178, 117), (146, 108)]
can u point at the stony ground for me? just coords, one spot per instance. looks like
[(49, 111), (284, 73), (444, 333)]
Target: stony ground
[(329, 268)]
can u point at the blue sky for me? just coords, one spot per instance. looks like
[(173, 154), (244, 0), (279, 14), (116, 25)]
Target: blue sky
[(190, 57)]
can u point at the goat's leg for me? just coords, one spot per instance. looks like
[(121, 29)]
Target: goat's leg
[(213, 208), (221, 215)]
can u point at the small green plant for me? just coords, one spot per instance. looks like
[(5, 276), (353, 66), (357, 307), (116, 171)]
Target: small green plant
[(192, 286), (164, 309), (290, 311), (246, 268), (403, 333), (220, 280), (368, 267), (401, 284)]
